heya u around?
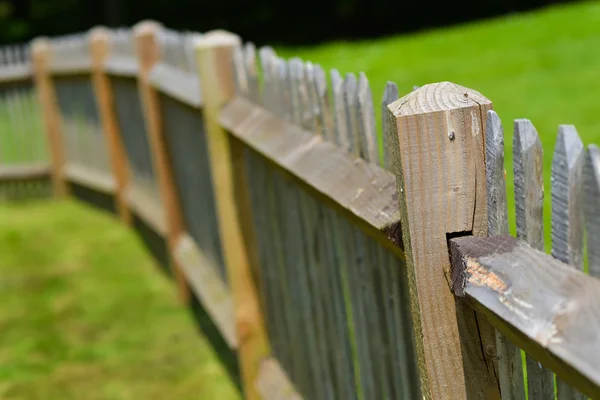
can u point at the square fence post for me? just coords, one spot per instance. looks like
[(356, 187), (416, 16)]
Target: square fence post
[(437, 134), (214, 53), (148, 54), (40, 54), (100, 47)]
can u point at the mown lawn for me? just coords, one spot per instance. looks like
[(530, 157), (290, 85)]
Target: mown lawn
[(86, 314), (544, 66)]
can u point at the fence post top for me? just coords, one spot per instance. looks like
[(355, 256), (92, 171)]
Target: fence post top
[(40, 44), (434, 97), (147, 27), (99, 33), (216, 38)]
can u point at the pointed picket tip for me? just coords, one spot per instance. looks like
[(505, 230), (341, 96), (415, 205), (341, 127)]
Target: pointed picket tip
[(390, 93), (494, 132), (441, 96), (568, 145), (526, 135), (363, 84), (336, 78)]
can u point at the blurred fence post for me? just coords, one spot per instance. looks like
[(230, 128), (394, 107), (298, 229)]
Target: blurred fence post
[(100, 46), (437, 134), (214, 53), (40, 53), (148, 54)]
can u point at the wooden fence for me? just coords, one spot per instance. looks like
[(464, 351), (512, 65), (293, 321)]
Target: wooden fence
[(337, 262)]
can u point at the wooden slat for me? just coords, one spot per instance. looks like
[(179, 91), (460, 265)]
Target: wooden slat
[(76, 66), (366, 121), (510, 367), (546, 307), (15, 73), (441, 176), (208, 286), (362, 189), (147, 207), (122, 66), (40, 55), (16, 173), (591, 174), (214, 53), (567, 223), (146, 39), (350, 89), (91, 178), (181, 85), (529, 201), (273, 384), (390, 94), (103, 90)]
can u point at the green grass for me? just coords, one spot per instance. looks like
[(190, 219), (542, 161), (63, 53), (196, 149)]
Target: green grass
[(85, 314), (544, 66)]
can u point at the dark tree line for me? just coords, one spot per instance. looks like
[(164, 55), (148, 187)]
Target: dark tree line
[(272, 21)]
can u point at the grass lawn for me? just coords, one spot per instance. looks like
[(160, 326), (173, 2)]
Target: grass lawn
[(544, 66), (86, 314)]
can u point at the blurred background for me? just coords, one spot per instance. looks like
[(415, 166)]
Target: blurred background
[(272, 21)]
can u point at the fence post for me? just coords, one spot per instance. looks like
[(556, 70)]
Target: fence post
[(214, 53), (40, 54), (100, 46), (148, 54), (437, 133)]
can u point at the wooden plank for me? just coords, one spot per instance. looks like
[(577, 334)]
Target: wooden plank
[(24, 172), (206, 283), (366, 121), (441, 177), (510, 366), (40, 52), (91, 178), (273, 384), (214, 55), (15, 73), (567, 222), (251, 72), (148, 53), (543, 305), (390, 94), (181, 85), (363, 190), (350, 89), (529, 202), (318, 83), (100, 41), (591, 176), (339, 110), (146, 206)]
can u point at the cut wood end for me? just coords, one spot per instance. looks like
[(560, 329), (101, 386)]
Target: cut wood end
[(100, 34), (40, 44), (147, 27), (441, 96), (216, 38), (525, 134)]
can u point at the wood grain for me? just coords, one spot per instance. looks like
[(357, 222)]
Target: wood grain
[(390, 94), (148, 54), (214, 55), (591, 176), (441, 176), (100, 42), (529, 202), (567, 222), (546, 307), (365, 191), (510, 367)]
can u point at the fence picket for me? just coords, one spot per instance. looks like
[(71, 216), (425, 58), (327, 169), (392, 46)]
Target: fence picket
[(529, 202), (390, 94), (567, 224), (366, 120), (251, 72), (339, 110), (319, 88), (351, 106), (591, 177), (510, 367), (239, 72), (267, 62)]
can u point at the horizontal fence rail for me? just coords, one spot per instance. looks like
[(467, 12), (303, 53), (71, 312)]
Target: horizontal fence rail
[(336, 261)]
